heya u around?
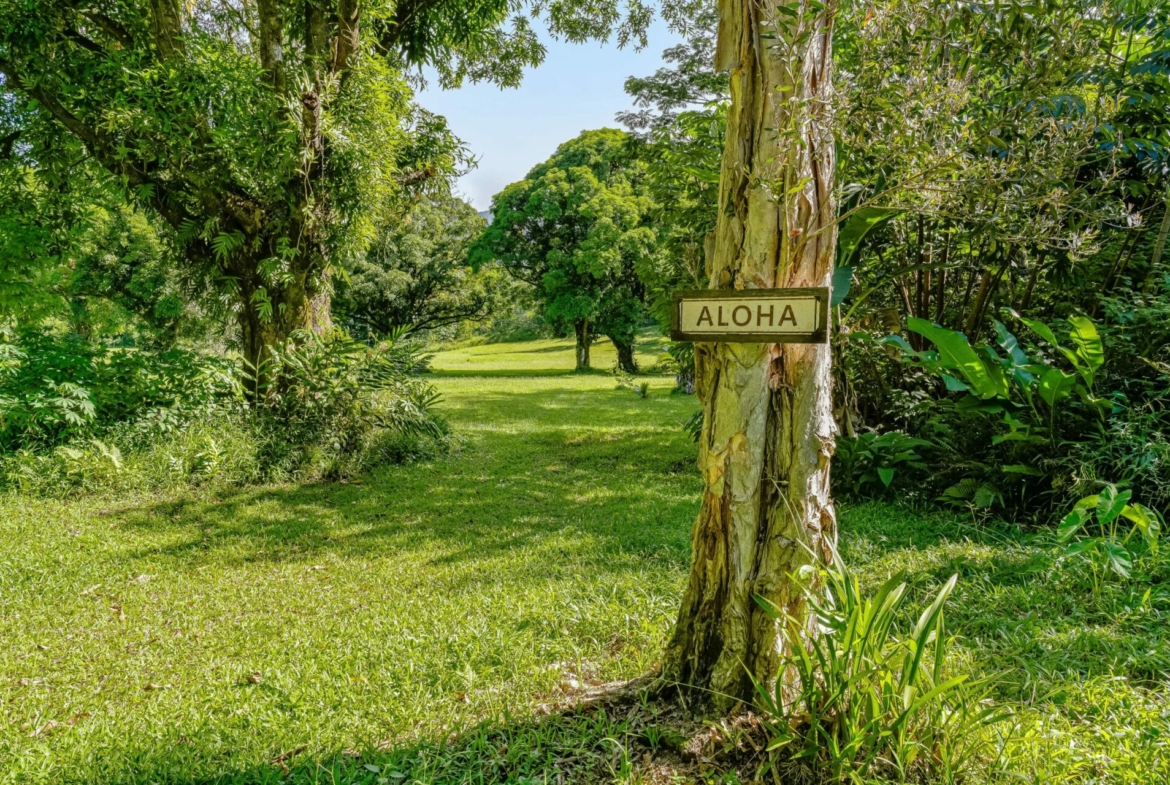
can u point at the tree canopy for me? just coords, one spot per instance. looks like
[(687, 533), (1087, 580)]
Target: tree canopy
[(576, 228), (416, 274)]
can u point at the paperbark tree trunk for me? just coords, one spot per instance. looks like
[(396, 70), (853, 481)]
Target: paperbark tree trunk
[(768, 431)]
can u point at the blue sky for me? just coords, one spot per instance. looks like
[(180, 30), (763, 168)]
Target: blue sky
[(579, 87)]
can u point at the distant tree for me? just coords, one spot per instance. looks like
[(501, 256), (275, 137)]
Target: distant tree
[(416, 273), (577, 229)]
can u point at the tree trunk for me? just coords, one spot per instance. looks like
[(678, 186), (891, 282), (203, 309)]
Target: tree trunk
[(267, 322), (768, 428), (1159, 246), (977, 307), (584, 340), (625, 354)]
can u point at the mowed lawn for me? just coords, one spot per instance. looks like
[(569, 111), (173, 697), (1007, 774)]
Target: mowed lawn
[(147, 640), (553, 356), (417, 627)]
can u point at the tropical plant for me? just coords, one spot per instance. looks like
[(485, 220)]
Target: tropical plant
[(860, 702), (868, 463), (1108, 546), (326, 400)]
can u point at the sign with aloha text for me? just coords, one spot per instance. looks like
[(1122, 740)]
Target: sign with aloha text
[(752, 316)]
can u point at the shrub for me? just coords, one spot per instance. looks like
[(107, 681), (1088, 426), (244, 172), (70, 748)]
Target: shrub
[(868, 463), (55, 389), (81, 418), (325, 401), (1122, 533), (869, 704)]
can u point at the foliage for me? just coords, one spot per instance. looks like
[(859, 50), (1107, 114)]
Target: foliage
[(1107, 548), (80, 417), (577, 229), (416, 274), (867, 464), (56, 388), (1009, 159), (326, 400), (869, 703), (1016, 409)]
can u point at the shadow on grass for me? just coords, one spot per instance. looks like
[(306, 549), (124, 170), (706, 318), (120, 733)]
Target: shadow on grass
[(1018, 614), (567, 484), (614, 741)]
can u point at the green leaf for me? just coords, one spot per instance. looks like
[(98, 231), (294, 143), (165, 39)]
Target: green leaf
[(1055, 386), (956, 354), (1072, 523), (1119, 558), (1090, 350), (1110, 503), (1147, 522), (1010, 344), (986, 497), (953, 384), (1019, 468), (842, 280), (855, 229), (886, 475)]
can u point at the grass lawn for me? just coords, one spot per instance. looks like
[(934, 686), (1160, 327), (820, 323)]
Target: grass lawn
[(417, 626), (540, 358)]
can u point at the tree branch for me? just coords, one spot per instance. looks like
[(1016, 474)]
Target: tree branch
[(110, 27), (406, 13), (348, 40), (167, 20), (98, 147), (416, 177), (85, 43), (271, 44), (7, 143)]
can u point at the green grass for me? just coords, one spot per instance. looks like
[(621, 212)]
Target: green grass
[(539, 358), (548, 549), (410, 628)]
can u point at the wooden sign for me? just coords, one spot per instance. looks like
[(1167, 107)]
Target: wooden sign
[(752, 316)]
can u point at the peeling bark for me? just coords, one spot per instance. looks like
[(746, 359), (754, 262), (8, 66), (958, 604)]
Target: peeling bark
[(768, 430)]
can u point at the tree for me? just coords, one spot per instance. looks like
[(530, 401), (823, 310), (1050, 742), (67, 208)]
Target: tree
[(768, 433), (416, 273), (576, 229), (270, 135)]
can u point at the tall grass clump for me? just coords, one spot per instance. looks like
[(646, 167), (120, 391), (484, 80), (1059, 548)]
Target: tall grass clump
[(80, 418), (862, 702)]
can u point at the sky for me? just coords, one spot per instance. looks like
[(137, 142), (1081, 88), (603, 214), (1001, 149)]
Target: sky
[(577, 88)]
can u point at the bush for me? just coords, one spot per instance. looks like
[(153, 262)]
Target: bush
[(869, 704), (326, 402), (57, 389), (81, 418), (1013, 431)]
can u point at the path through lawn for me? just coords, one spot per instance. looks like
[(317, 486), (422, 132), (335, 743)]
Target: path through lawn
[(159, 640)]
